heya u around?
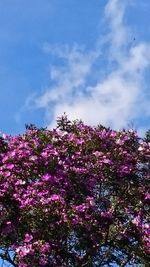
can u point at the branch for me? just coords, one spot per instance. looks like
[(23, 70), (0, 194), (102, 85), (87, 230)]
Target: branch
[(6, 257)]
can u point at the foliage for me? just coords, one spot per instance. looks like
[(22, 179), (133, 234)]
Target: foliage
[(74, 196)]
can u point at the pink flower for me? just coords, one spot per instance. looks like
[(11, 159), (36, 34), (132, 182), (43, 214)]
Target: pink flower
[(10, 166), (147, 196), (46, 177), (55, 197), (81, 208), (24, 250), (28, 238), (107, 161)]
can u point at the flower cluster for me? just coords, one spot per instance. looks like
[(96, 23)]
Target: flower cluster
[(74, 196)]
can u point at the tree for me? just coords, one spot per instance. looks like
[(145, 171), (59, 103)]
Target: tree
[(74, 196)]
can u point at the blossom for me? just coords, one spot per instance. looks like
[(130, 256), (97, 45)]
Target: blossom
[(73, 191), (28, 238)]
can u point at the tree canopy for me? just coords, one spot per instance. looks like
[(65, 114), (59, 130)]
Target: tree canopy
[(75, 196)]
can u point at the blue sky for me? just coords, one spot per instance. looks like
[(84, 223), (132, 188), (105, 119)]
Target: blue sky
[(90, 59)]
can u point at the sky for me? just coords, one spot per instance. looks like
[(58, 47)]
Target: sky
[(89, 59)]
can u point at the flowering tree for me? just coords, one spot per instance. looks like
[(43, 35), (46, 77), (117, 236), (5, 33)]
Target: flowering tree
[(74, 196)]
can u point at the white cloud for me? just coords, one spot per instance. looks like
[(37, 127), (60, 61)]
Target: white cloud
[(113, 100), (70, 77)]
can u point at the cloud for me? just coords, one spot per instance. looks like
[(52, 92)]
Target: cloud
[(114, 97), (70, 78)]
